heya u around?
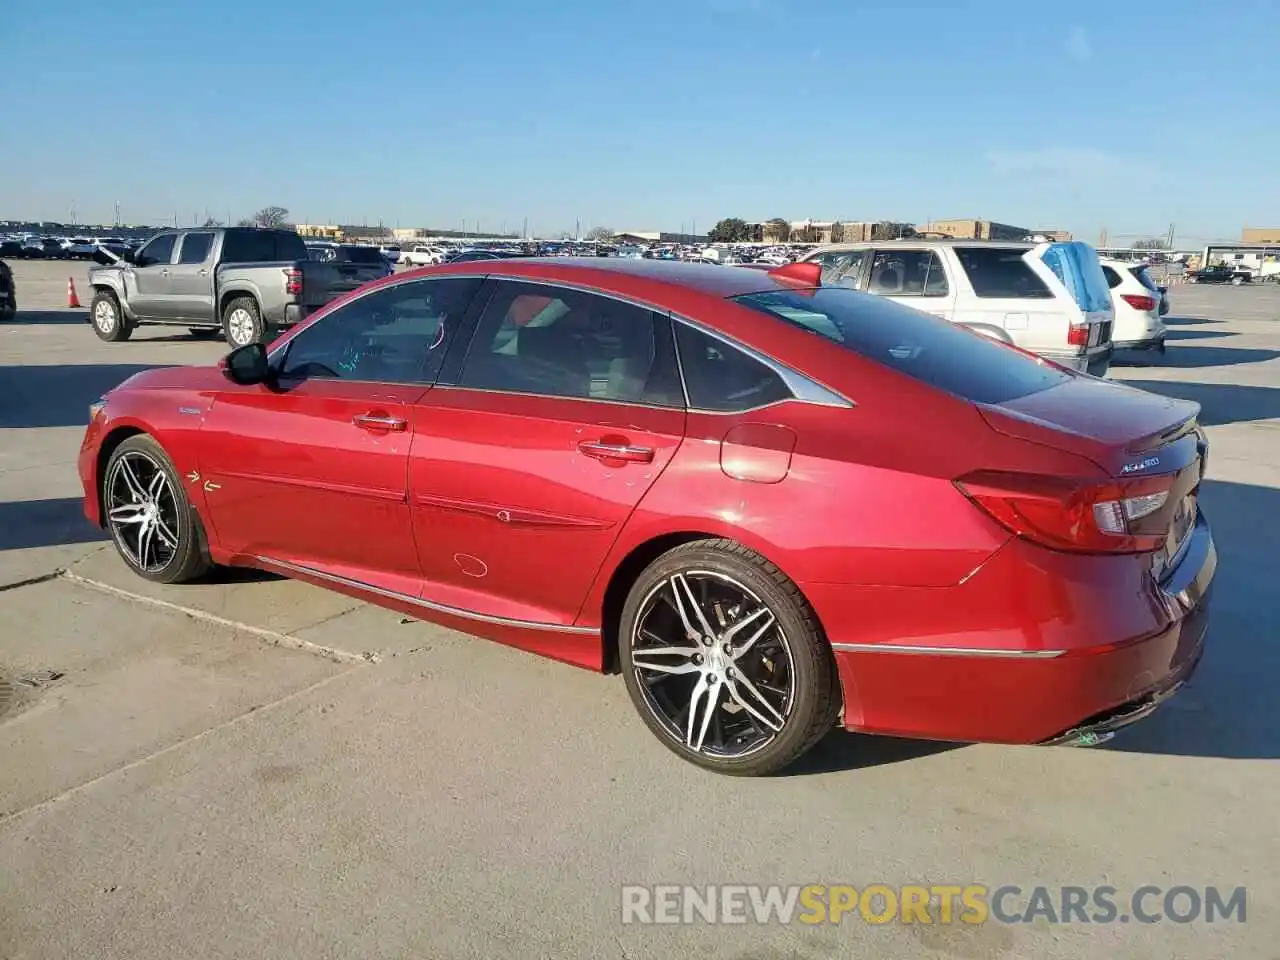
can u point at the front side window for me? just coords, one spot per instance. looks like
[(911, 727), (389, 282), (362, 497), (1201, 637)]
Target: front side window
[(159, 250), (841, 268), (907, 273), (195, 247), (722, 378), (398, 334), (559, 342)]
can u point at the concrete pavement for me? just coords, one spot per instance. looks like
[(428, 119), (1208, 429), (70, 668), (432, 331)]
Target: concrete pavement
[(253, 766)]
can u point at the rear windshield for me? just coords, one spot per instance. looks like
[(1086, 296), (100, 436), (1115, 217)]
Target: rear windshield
[(933, 351), (1144, 278), (360, 255), (1000, 272)]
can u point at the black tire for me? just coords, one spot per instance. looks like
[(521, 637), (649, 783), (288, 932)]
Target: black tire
[(187, 559), (108, 319), (242, 323), (9, 312), (801, 658)]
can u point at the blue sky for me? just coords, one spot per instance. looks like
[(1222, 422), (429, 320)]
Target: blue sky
[(645, 115)]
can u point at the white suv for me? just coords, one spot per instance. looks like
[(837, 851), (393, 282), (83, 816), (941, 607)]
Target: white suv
[(1138, 304), (1049, 298)]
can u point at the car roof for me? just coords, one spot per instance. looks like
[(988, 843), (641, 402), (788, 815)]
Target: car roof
[(627, 276), (923, 242)]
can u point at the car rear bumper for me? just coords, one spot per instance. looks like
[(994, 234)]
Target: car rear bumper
[(1155, 342), (1095, 363), (1065, 692)]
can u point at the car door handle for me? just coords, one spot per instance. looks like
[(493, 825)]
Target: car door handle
[(603, 450), (164, 273), (202, 272), (378, 421)]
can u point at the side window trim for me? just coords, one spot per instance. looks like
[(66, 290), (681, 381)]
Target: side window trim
[(802, 388)]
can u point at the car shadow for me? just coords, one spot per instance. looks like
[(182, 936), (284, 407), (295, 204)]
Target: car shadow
[(1176, 334), (1172, 321), (1229, 708), (57, 395), (1219, 403), (234, 575), (25, 524), (42, 317), (842, 750), (1195, 356)]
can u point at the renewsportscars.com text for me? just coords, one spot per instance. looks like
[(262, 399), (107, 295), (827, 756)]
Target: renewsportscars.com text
[(935, 903)]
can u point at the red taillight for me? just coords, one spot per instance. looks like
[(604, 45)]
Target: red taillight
[(293, 281), (1138, 301), (1115, 516), (1078, 335)]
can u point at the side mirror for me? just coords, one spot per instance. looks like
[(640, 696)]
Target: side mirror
[(247, 365)]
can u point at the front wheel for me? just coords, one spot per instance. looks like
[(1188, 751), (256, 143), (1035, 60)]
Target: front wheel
[(147, 512), (109, 321), (725, 661)]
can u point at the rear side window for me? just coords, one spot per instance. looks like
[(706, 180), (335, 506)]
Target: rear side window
[(195, 247), (907, 273), (1076, 265), (1000, 272), (1113, 278), (721, 377), (929, 349)]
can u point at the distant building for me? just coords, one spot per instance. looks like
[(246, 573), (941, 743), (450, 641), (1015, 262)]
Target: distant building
[(1053, 236), (322, 231), (659, 236), (859, 231), (1255, 235), (974, 230)]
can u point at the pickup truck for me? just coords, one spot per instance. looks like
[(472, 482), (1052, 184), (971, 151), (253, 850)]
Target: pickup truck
[(243, 282)]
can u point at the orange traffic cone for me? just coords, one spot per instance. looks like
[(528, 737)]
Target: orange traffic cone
[(72, 300)]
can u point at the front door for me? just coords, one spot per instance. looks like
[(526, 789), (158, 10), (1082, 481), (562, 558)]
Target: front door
[(191, 278), (147, 279), (313, 469), (529, 459)]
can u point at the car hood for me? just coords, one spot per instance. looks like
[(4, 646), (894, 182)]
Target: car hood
[(197, 379)]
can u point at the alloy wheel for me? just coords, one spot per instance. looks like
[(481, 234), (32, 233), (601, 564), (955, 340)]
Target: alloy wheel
[(714, 665), (104, 316), (143, 511), (240, 326)]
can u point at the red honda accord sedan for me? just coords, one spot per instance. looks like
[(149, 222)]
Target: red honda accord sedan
[(774, 507)]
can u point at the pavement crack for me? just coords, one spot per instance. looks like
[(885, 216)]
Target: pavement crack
[(274, 637), (32, 581), (254, 711)]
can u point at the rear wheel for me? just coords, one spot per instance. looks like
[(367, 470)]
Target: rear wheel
[(146, 510), (242, 323), (725, 660), (109, 321)]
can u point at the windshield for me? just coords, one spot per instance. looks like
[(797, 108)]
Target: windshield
[(926, 348)]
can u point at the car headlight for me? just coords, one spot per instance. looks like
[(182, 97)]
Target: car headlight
[(95, 408)]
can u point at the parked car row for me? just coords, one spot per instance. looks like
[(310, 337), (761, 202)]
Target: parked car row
[(59, 248)]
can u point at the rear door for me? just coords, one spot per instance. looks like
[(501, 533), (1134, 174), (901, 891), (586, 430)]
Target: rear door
[(530, 456), (191, 280), (915, 278)]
